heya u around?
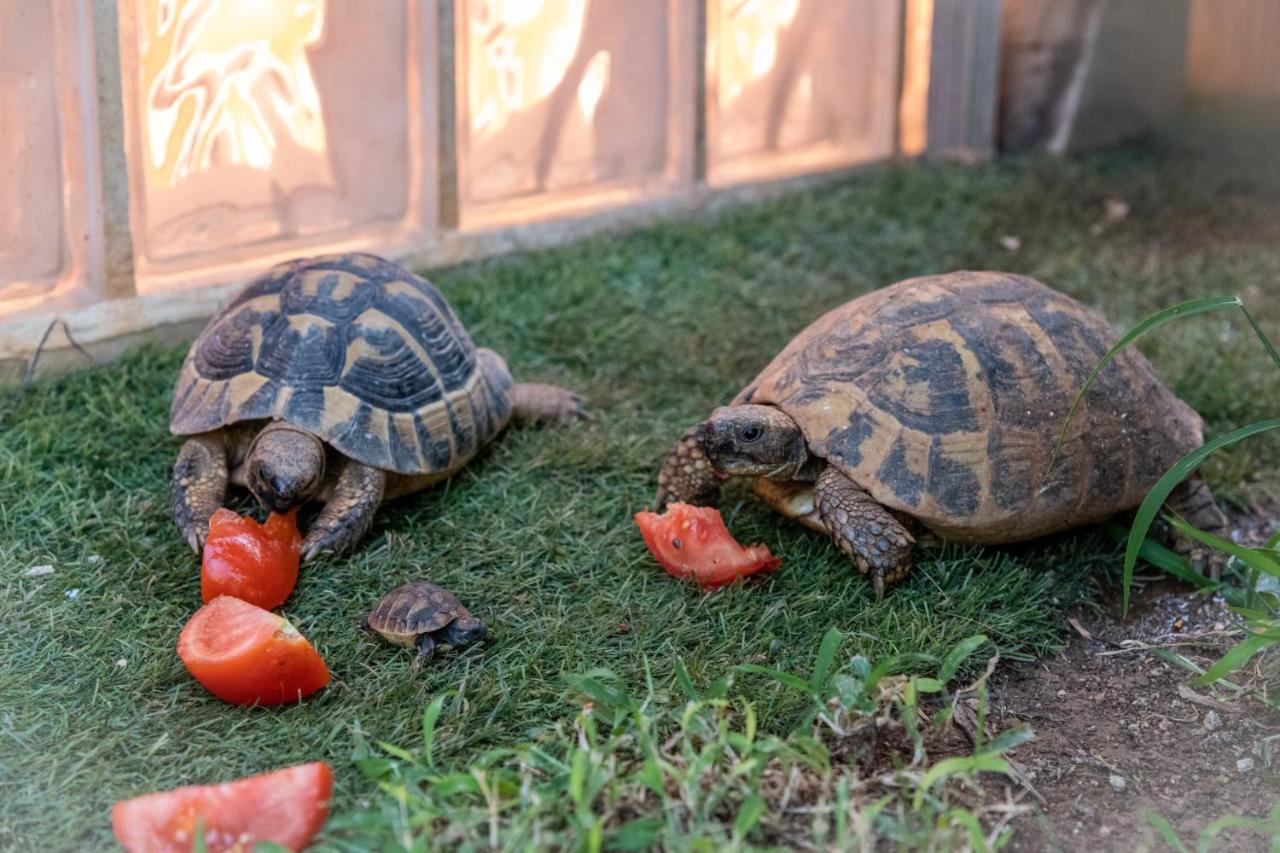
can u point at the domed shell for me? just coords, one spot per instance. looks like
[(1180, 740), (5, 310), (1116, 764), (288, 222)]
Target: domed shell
[(943, 397), (413, 609), (356, 350)]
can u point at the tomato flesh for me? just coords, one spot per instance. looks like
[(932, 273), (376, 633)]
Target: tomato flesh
[(255, 562), (246, 655), (287, 807), (691, 542)]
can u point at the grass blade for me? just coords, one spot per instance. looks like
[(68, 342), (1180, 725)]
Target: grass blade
[(1166, 484), (1155, 321), (1266, 342), (951, 663), (1166, 830), (1254, 558), (429, 718), (826, 657), (1236, 657)]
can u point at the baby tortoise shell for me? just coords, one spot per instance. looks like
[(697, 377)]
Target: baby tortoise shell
[(355, 350), (413, 609), (943, 397), (421, 615)]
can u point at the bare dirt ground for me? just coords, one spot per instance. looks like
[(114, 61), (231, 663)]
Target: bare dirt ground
[(1120, 731)]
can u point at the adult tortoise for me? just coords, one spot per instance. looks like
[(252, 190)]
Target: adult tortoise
[(344, 379), (938, 401)]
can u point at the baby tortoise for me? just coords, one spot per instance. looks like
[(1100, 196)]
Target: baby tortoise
[(423, 615), (936, 402)]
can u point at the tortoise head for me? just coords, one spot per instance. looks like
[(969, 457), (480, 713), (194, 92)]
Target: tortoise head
[(464, 631), (754, 441), (285, 467)]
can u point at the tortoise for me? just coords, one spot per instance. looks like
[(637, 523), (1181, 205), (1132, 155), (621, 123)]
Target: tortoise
[(341, 378), (936, 402), (422, 615)]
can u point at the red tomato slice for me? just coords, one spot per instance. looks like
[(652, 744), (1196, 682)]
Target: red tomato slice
[(691, 542), (257, 563), (246, 655), (288, 807)]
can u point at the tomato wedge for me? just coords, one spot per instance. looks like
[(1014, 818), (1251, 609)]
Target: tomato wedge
[(246, 655), (691, 542), (288, 807), (255, 562)]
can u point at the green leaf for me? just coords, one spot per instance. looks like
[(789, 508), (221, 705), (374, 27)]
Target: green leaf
[(1165, 559), (1236, 657), (637, 834), (1254, 558), (827, 650), (927, 685), (1009, 739), (1166, 484), (951, 663), (396, 752), (599, 692), (786, 679), (748, 815), (429, 718), (987, 762), (685, 682), (1166, 830), (1155, 321), (969, 821), (1266, 342)]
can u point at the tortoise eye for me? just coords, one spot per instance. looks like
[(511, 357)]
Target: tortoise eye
[(752, 433)]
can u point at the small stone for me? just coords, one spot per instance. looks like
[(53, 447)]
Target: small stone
[(94, 559), (1118, 782), (1062, 694), (1219, 626), (1212, 721), (72, 593), (1244, 765), (122, 663), (38, 571), (1116, 209)]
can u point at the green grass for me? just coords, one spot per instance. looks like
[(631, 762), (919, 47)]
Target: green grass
[(655, 327)]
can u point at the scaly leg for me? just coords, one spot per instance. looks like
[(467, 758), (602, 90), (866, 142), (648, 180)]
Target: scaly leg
[(348, 515), (1193, 501), (865, 530), (199, 485), (687, 476), (536, 403), (426, 645)]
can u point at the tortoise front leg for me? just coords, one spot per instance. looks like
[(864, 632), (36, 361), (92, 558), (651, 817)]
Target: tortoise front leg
[(199, 485), (348, 515), (426, 645), (687, 476), (865, 530)]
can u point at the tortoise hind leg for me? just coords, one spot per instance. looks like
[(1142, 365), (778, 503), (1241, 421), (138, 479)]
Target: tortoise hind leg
[(687, 476), (1193, 501), (536, 403), (199, 485), (348, 515), (866, 531)]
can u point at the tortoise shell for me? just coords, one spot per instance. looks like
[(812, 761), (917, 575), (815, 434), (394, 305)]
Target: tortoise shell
[(356, 350), (414, 609), (943, 397)]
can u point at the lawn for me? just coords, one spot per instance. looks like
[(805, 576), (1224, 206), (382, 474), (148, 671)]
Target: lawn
[(656, 327)]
